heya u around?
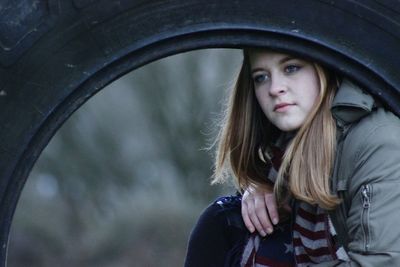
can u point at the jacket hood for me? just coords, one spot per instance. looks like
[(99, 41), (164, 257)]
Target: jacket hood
[(351, 103)]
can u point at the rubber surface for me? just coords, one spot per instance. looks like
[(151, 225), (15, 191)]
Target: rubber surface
[(55, 54)]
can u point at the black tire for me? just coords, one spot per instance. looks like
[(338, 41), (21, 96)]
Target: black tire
[(55, 54)]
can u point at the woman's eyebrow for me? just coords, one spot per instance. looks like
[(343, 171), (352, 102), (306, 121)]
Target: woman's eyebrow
[(280, 62), (256, 69), (285, 59)]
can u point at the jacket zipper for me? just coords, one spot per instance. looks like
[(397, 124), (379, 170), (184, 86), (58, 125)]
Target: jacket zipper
[(366, 201)]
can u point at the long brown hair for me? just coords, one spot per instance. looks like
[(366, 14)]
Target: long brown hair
[(309, 158)]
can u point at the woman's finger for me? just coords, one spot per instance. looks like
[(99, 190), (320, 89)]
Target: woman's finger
[(246, 218), (272, 207), (254, 217), (262, 215)]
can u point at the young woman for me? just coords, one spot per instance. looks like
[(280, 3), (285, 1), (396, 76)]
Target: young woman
[(317, 164)]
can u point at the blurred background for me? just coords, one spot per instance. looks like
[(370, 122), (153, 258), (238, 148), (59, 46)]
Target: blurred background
[(124, 180)]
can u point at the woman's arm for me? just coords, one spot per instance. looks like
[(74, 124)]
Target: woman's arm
[(371, 165)]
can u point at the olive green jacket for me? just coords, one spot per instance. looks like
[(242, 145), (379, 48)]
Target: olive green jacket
[(367, 177)]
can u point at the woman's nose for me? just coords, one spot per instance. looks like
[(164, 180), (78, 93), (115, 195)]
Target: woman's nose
[(278, 87)]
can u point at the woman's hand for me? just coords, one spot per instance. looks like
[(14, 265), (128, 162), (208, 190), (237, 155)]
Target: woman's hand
[(259, 209)]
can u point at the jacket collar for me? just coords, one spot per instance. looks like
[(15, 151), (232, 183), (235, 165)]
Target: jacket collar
[(351, 103)]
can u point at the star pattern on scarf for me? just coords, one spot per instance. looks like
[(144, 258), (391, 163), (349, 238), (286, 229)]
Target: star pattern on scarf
[(288, 248)]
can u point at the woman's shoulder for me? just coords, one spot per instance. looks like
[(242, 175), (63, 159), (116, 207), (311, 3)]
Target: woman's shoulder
[(379, 126), (371, 149)]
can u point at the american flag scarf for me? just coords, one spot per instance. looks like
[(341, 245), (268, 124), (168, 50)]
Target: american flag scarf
[(309, 239), (274, 250)]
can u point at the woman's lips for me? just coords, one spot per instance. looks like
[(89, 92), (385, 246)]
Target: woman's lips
[(281, 107)]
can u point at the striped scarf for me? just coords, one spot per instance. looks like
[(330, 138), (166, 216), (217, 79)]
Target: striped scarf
[(314, 237), (308, 239)]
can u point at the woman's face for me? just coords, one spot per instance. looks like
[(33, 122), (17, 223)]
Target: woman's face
[(286, 87)]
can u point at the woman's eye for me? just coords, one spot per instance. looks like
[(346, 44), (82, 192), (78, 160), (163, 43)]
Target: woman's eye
[(260, 78), (292, 68)]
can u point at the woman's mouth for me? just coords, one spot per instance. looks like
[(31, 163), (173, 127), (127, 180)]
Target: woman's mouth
[(282, 107)]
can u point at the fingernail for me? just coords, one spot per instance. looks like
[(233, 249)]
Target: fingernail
[(269, 230), (274, 220), (262, 233)]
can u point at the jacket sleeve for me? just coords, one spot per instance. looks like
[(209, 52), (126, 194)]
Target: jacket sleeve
[(371, 157)]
